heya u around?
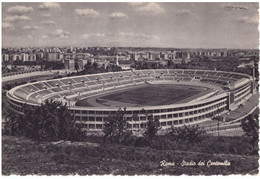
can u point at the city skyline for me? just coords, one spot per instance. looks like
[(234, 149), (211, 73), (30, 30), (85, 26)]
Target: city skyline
[(170, 25)]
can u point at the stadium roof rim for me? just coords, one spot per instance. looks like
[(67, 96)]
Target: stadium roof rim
[(11, 95)]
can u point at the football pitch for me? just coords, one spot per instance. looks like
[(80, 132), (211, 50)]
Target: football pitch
[(148, 95)]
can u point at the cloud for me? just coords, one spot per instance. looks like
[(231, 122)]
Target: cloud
[(17, 18), (139, 36), (48, 5), (236, 7), (30, 37), (27, 27), (8, 26), (48, 23), (86, 36), (149, 8), (136, 4), (19, 10), (45, 37), (118, 15), (111, 34), (87, 12), (183, 12), (100, 35), (247, 19), (46, 15), (59, 33)]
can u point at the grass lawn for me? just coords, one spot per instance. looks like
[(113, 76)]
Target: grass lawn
[(149, 95), (22, 156), (153, 95)]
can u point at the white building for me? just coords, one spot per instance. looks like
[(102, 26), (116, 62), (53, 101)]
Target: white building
[(5, 57), (25, 57), (32, 57)]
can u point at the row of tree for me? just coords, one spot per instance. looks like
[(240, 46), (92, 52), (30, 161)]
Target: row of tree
[(53, 121), (116, 129), (94, 69), (45, 64), (138, 65)]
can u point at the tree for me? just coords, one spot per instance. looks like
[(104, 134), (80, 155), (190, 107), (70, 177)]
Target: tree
[(218, 118), (95, 65), (55, 65), (115, 126), (170, 64), (250, 126), (77, 67), (89, 69), (9, 118), (51, 121), (193, 134), (152, 127)]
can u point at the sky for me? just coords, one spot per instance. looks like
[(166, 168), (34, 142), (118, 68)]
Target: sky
[(150, 24)]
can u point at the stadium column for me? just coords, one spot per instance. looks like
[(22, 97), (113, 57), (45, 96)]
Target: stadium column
[(228, 100), (252, 87), (231, 98), (252, 83), (255, 68), (232, 93)]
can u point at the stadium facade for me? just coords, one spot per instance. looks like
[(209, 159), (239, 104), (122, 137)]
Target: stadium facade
[(230, 90)]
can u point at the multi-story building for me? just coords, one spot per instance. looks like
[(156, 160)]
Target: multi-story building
[(91, 60), (39, 56), (5, 57), (13, 57), (81, 63), (60, 56), (52, 56), (153, 56), (219, 54), (69, 64), (172, 55), (102, 63), (25, 57), (136, 56), (32, 57), (178, 55), (144, 56), (164, 56)]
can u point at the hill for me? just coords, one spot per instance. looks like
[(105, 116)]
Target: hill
[(22, 156)]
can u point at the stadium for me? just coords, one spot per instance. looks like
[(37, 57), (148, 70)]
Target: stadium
[(176, 96)]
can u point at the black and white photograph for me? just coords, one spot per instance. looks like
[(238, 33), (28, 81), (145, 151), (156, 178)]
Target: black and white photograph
[(129, 88)]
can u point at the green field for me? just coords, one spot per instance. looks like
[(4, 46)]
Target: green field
[(150, 95)]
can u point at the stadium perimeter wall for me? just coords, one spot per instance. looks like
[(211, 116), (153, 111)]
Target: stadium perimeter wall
[(176, 114)]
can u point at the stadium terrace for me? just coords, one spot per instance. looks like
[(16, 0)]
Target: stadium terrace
[(223, 92)]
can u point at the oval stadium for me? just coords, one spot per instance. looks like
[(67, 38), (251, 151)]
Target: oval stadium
[(176, 96)]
